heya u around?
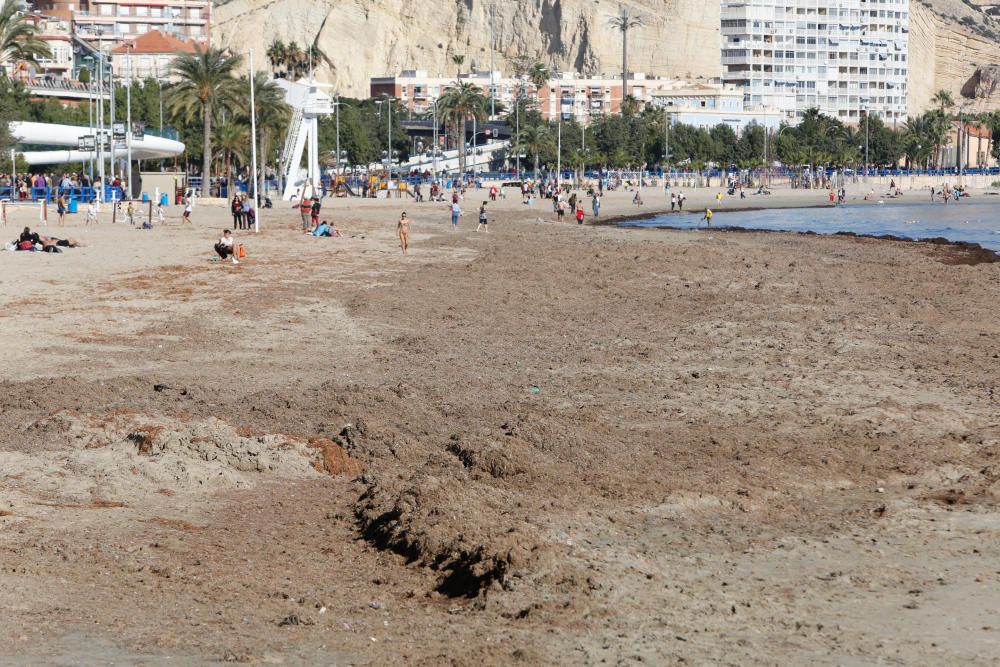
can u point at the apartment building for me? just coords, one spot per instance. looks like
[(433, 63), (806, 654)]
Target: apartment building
[(846, 57), (103, 21), (148, 56), (566, 95), (707, 105)]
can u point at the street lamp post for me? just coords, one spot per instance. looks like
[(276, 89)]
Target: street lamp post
[(128, 118), (559, 149)]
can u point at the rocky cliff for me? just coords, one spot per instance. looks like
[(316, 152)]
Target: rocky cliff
[(953, 47), (950, 40), (359, 39)]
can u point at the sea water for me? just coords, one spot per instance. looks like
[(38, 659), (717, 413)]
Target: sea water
[(973, 221)]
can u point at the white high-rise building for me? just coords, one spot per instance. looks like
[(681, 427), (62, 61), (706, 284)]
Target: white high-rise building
[(845, 57)]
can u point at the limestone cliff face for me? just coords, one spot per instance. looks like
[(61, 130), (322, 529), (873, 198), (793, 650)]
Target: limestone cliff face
[(950, 40), (951, 56), (364, 38)]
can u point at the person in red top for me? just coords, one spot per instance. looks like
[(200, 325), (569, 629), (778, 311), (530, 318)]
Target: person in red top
[(579, 214), (493, 193)]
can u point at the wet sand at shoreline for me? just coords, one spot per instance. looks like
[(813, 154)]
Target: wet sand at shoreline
[(579, 444)]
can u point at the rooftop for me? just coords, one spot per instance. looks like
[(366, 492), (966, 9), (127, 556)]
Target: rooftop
[(155, 41)]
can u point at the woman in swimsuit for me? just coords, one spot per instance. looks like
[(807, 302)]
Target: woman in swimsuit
[(62, 209), (403, 229)]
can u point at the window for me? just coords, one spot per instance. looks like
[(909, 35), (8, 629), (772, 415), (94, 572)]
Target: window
[(123, 10), (156, 12), (194, 13), (106, 10), (142, 11)]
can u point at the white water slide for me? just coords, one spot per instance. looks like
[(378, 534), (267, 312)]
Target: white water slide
[(47, 134)]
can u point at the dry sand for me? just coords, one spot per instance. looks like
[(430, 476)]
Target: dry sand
[(549, 444)]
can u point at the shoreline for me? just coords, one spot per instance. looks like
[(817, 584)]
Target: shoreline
[(965, 253)]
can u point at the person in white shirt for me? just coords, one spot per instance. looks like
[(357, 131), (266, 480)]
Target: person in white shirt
[(91, 213), (224, 247)]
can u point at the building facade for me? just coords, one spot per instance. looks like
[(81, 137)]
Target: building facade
[(566, 95), (707, 105), (148, 56), (117, 20), (848, 58)]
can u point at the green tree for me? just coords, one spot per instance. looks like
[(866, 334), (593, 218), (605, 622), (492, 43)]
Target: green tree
[(206, 86), (943, 99), (19, 36), (231, 140), (461, 103), (457, 60), (534, 140)]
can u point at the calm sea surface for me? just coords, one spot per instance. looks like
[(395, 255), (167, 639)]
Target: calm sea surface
[(973, 221)]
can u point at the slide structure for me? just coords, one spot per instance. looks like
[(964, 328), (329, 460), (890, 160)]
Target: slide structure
[(53, 135)]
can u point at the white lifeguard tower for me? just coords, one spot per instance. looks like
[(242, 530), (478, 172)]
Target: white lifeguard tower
[(308, 103)]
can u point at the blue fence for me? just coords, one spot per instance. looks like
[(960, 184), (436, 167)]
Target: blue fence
[(51, 194)]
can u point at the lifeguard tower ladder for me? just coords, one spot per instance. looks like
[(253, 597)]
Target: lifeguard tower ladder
[(308, 103)]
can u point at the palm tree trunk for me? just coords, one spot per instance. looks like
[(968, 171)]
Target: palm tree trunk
[(624, 66), (261, 164), (460, 142), (206, 155)]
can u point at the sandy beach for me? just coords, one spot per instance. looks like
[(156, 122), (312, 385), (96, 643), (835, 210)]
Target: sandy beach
[(548, 444)]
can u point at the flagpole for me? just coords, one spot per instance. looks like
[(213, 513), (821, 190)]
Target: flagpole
[(253, 151)]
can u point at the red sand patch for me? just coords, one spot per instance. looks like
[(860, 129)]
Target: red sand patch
[(335, 460)]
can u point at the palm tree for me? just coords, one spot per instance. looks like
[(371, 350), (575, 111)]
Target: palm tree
[(460, 103), (231, 141), (276, 53), (206, 86), (943, 99), (533, 140), (539, 76), (457, 60), (273, 115), (19, 37), (624, 21)]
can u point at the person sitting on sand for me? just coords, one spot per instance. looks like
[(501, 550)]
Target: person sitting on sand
[(322, 229), (707, 218), (224, 246), (29, 236)]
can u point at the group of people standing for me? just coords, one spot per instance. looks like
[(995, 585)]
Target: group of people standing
[(242, 210)]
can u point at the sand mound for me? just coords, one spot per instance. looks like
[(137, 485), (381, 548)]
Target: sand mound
[(443, 518), (125, 456)]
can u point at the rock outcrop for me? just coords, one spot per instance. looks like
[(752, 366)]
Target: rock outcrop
[(360, 39)]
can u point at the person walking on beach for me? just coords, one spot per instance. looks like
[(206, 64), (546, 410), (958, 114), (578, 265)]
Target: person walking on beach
[(403, 231), (62, 209), (707, 218), (482, 219), (91, 213), (680, 201), (595, 205), (673, 202), (456, 212), (579, 214)]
